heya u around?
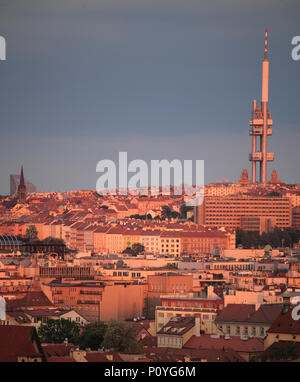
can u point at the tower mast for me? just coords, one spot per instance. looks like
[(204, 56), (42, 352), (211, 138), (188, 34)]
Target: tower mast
[(260, 125)]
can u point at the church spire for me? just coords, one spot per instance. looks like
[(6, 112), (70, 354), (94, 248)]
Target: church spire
[(22, 181), (22, 188)]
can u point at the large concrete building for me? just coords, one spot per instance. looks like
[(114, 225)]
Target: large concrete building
[(251, 213)]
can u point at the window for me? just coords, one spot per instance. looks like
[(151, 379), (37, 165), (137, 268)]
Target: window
[(238, 330)]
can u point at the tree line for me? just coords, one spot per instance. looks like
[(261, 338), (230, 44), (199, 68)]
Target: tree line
[(277, 238), (115, 335)]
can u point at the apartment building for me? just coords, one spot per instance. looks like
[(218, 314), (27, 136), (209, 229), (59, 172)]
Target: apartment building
[(234, 211), (98, 300), (191, 304), (245, 320)]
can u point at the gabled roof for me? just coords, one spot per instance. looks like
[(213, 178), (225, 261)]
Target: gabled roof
[(31, 299), (284, 323), (178, 326), (205, 341), (57, 350), (18, 341), (266, 313), (236, 313)]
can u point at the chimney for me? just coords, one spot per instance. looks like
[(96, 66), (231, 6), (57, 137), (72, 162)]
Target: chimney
[(197, 325)]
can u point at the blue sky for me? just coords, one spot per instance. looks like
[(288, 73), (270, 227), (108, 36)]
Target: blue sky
[(160, 79)]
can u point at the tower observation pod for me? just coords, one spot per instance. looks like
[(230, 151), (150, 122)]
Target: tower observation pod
[(260, 125)]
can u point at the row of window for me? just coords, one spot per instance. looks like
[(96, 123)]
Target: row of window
[(244, 330)]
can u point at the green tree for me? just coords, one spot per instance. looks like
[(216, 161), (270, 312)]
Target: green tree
[(275, 238), (137, 248), (175, 215), (184, 209), (31, 233), (121, 337), (53, 240), (55, 331), (92, 336), (166, 212)]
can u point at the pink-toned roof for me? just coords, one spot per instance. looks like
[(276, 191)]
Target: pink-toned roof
[(205, 341), (266, 313), (178, 326), (236, 313), (57, 350), (284, 323), (115, 231), (31, 299)]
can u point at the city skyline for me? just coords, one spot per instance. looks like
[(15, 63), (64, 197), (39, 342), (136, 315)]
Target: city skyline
[(160, 83)]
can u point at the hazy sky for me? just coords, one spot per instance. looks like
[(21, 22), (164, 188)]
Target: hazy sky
[(161, 79)]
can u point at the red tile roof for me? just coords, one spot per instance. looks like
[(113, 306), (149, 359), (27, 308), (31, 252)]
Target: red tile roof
[(18, 341), (57, 350), (30, 300), (266, 313), (177, 326), (236, 313), (205, 341), (285, 323)]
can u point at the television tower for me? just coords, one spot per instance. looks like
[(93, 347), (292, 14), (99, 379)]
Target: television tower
[(260, 125)]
